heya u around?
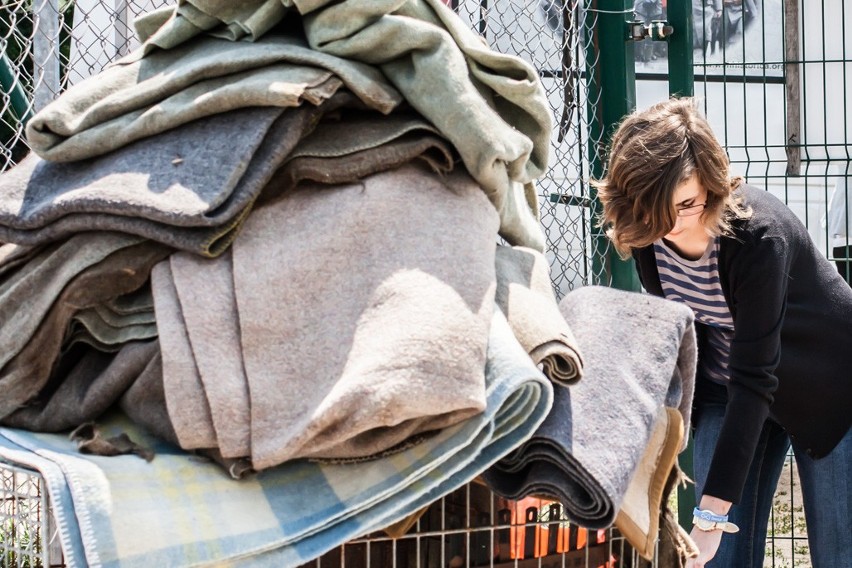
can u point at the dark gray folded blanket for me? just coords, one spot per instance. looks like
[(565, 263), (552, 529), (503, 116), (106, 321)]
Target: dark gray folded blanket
[(190, 188), (639, 355), (87, 386), (39, 309)]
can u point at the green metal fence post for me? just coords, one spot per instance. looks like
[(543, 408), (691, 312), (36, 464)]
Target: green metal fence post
[(682, 84), (611, 77), (681, 75), (9, 84)]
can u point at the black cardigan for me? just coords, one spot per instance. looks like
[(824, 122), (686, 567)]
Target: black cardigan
[(791, 354)]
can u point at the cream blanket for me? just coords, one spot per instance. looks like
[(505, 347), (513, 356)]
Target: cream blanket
[(354, 332)]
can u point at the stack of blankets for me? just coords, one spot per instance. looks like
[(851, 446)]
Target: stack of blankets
[(261, 250)]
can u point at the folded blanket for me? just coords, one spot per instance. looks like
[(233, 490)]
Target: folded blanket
[(639, 356), (106, 330), (136, 99), (525, 295), (203, 291), (639, 516), (170, 188), (352, 145), (12, 256), (284, 516), (98, 335), (90, 384), (393, 344), (189, 409), (490, 106), (394, 341), (139, 301), (40, 336)]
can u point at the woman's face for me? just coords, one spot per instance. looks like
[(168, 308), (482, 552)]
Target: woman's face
[(689, 199)]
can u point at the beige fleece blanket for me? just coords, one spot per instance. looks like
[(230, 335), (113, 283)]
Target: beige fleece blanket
[(525, 295), (358, 338)]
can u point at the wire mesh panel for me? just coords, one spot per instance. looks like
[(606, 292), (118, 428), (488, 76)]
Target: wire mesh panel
[(25, 534), (471, 527)]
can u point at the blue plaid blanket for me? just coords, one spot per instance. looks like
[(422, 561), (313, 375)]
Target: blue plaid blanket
[(180, 511)]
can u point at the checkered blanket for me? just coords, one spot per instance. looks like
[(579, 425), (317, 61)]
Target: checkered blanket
[(180, 511)]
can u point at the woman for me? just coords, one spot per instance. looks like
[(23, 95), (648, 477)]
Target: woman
[(774, 325)]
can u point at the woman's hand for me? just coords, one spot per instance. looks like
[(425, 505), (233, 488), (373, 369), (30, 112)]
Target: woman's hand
[(707, 543)]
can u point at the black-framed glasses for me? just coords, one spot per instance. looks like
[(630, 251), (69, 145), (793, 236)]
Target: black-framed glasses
[(691, 210)]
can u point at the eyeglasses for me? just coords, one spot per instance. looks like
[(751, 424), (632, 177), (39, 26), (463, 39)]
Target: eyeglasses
[(691, 210)]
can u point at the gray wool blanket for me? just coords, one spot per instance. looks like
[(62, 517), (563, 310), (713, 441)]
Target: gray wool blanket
[(135, 99), (350, 144), (190, 188), (525, 295), (374, 336), (639, 356), (34, 333), (48, 273), (490, 106), (89, 384), (89, 326)]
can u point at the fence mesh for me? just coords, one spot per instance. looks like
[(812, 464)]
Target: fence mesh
[(25, 534)]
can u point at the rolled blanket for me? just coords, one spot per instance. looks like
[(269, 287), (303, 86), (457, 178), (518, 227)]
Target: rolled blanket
[(171, 188), (139, 98), (639, 356), (525, 295), (284, 516)]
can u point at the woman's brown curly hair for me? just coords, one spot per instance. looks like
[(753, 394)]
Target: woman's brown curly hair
[(652, 153)]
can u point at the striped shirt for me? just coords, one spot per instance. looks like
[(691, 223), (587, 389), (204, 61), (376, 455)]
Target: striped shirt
[(696, 284)]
